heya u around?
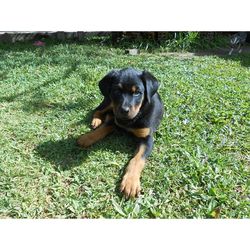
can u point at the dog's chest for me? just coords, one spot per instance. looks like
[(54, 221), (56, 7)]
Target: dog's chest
[(126, 127)]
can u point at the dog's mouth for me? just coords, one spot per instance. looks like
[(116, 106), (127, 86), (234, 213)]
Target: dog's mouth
[(125, 117), (126, 113)]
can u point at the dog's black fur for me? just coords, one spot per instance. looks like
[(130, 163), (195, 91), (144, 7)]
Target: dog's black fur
[(131, 102)]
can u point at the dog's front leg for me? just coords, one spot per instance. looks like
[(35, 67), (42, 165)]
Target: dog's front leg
[(99, 113), (130, 184)]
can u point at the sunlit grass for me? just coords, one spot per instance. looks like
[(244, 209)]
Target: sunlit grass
[(199, 167)]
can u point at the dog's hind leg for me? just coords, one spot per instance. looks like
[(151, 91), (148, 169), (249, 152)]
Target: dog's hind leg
[(94, 136)]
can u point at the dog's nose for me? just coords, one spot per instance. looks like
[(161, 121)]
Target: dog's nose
[(124, 109)]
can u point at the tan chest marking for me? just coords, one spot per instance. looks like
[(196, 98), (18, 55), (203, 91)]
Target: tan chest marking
[(140, 132)]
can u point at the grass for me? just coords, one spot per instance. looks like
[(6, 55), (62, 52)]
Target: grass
[(199, 167)]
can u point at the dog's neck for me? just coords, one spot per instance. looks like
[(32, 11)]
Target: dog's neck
[(125, 123)]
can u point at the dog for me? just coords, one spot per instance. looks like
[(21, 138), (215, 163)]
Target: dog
[(131, 102), (237, 42)]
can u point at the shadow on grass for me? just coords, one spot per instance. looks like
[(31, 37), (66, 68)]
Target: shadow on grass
[(38, 89), (63, 154), (243, 58), (66, 154), (38, 105)]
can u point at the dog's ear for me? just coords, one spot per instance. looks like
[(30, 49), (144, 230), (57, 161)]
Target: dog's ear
[(106, 82), (150, 83)]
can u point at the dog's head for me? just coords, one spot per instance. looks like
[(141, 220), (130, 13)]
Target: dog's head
[(129, 90)]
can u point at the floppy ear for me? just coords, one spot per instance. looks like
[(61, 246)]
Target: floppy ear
[(150, 83), (106, 82)]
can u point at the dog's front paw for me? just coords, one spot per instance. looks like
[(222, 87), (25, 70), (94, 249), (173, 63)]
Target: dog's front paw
[(130, 185), (96, 122)]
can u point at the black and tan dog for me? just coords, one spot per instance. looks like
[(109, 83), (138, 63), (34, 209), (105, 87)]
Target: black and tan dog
[(132, 103)]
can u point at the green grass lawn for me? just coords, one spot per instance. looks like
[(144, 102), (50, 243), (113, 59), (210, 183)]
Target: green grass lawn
[(199, 167)]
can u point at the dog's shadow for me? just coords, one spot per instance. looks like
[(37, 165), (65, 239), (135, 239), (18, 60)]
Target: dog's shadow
[(62, 154), (65, 154)]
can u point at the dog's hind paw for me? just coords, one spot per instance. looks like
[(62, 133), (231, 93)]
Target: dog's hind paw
[(84, 141)]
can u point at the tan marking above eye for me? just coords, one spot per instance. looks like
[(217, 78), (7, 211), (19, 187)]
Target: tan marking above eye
[(133, 89)]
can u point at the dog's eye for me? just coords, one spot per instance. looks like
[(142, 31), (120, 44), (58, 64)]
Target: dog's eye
[(137, 93)]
